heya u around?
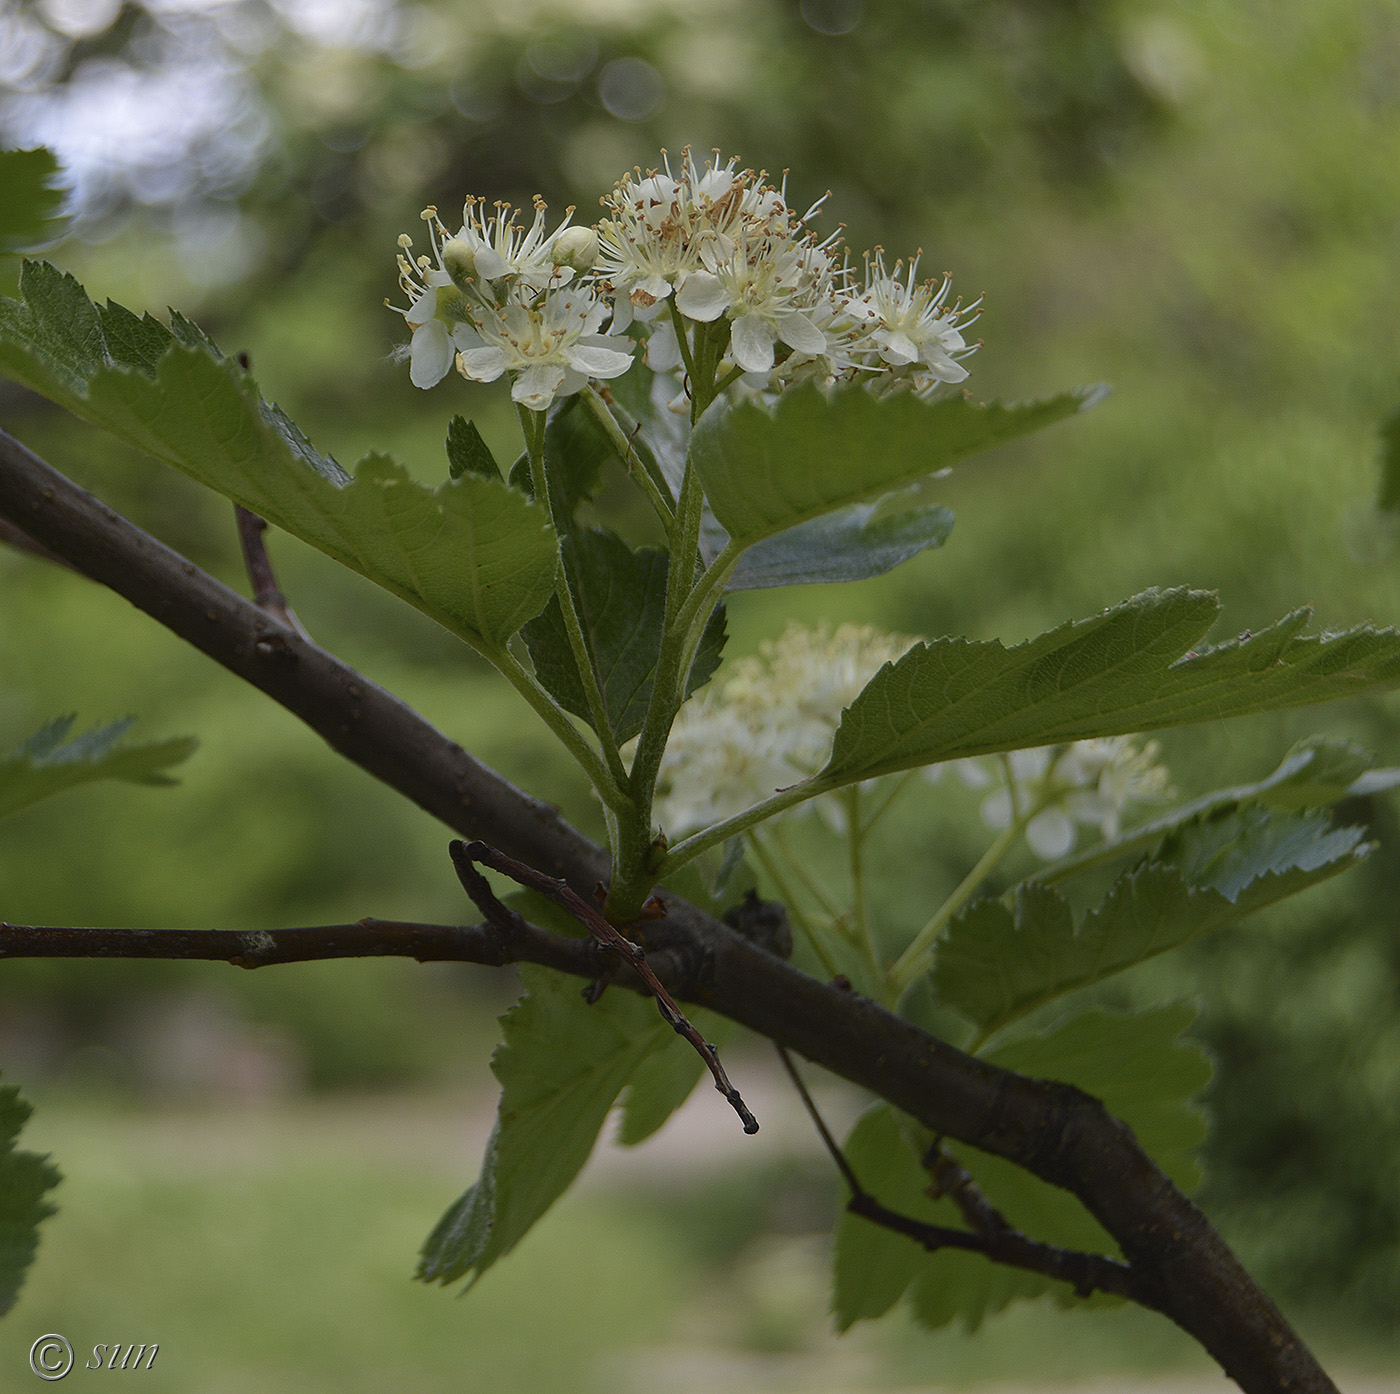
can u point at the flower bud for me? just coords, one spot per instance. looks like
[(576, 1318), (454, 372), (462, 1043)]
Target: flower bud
[(459, 261), (576, 247)]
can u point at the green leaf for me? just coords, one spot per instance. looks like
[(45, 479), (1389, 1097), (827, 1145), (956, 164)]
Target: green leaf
[(1389, 500), (25, 1178), (666, 1079), (1137, 667), (467, 453), (473, 554), (29, 202), (766, 471), (1139, 1069), (620, 596), (855, 544), (45, 765), (561, 1067), (996, 962)]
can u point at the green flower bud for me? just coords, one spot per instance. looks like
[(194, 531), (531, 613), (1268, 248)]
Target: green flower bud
[(459, 261)]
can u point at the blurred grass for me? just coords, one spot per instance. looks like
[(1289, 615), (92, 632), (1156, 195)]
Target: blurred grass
[(271, 1251)]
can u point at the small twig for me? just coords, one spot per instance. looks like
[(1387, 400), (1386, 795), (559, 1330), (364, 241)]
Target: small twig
[(992, 1237), (952, 1179), (819, 1123), (603, 932), (267, 596), (488, 944)]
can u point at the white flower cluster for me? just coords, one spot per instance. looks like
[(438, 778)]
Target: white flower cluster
[(1055, 789), (717, 243), (768, 725)]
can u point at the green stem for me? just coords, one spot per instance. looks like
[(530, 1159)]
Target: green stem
[(583, 661), (533, 425), (729, 379), (632, 461), (697, 843), (678, 324), (780, 841), (916, 958), (559, 721), (635, 856), (899, 786), (855, 844), (791, 903)]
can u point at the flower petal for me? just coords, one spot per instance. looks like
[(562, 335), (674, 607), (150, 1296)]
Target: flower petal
[(751, 343), (431, 354), (702, 297), (798, 332), (483, 364), (535, 387), (596, 362), (663, 349), (1050, 834)]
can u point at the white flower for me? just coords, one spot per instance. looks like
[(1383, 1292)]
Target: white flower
[(547, 340), (659, 224), (911, 326), (502, 298), (765, 294), (1087, 783), (498, 246)]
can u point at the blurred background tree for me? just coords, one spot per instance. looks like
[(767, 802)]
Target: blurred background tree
[(1194, 199)]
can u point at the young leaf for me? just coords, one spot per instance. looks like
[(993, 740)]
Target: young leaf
[(29, 202), (621, 600), (1136, 667), (997, 962), (666, 1079), (561, 1067), (25, 1178), (467, 453), (473, 554), (865, 540), (44, 765), (1134, 1064), (765, 471)]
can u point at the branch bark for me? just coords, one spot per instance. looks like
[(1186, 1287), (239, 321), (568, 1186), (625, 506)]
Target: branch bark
[(1054, 1130)]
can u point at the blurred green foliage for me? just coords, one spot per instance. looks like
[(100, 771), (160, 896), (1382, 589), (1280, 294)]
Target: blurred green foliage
[(1195, 201)]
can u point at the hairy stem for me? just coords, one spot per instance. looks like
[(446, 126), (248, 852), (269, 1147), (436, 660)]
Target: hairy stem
[(624, 447)]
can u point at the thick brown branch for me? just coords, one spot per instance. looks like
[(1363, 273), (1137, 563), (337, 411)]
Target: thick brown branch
[(1053, 1130)]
